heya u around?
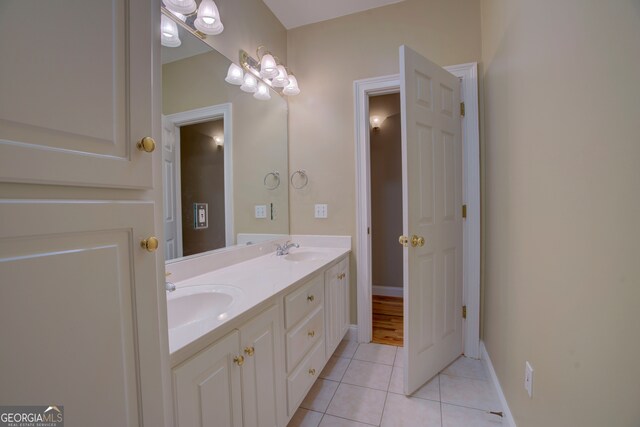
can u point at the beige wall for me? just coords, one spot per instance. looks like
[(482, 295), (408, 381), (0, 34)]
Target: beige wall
[(327, 57), (561, 207), (386, 191)]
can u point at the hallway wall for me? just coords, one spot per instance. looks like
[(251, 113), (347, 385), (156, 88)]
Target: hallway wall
[(561, 206)]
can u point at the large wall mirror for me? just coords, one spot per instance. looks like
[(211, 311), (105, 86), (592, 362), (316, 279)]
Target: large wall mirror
[(225, 160)]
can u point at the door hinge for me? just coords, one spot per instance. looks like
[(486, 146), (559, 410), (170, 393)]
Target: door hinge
[(462, 109), (368, 230), (464, 311), (464, 211)]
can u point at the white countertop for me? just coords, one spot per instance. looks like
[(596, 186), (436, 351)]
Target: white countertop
[(259, 279)]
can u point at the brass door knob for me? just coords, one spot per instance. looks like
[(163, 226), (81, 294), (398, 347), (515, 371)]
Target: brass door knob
[(312, 372), (150, 244), (146, 144), (404, 241), (239, 360), (311, 333), (417, 241), (310, 298), (249, 351)]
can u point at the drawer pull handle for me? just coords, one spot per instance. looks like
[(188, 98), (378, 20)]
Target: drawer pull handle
[(310, 298), (311, 333), (239, 360), (312, 372), (249, 351)]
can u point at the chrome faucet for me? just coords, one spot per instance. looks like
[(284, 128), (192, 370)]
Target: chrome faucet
[(284, 249), (169, 287)]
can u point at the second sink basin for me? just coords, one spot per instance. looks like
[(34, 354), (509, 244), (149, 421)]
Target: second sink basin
[(191, 304)]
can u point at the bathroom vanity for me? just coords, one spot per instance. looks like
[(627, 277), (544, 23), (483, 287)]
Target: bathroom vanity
[(271, 324)]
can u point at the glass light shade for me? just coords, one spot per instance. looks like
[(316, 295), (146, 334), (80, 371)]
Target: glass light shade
[(234, 75), (375, 122), (169, 32), (281, 80), (219, 141), (292, 88), (181, 6), (262, 93), (268, 67), (250, 83), (208, 19)]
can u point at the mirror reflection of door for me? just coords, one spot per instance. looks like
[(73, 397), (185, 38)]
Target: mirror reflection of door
[(202, 182)]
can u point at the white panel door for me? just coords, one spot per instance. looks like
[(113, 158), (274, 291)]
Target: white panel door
[(78, 308), (432, 200), (171, 191), (75, 85), (263, 371), (207, 387)]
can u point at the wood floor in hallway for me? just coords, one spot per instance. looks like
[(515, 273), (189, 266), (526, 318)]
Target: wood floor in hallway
[(388, 320)]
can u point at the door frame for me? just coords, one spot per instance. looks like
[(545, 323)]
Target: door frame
[(363, 89), (200, 115)]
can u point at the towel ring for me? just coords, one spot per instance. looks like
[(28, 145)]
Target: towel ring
[(276, 179), (303, 175)]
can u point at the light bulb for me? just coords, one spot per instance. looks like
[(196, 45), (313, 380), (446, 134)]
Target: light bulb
[(268, 67), (208, 20), (262, 93), (181, 6), (234, 75), (169, 32), (292, 88), (281, 80), (250, 83)]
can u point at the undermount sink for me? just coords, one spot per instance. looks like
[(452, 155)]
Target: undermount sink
[(305, 256), (194, 303)]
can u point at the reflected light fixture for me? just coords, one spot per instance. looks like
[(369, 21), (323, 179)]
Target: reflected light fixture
[(234, 75), (185, 7), (208, 19), (250, 83), (262, 93), (282, 79), (169, 32), (268, 64), (283, 82), (292, 88)]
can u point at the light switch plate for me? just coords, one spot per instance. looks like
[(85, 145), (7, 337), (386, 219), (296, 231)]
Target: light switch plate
[(528, 378), (261, 211), (321, 211)]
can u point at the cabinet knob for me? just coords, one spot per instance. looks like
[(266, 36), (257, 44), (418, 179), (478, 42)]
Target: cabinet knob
[(310, 298), (311, 333), (249, 351), (312, 372), (239, 360), (146, 144), (150, 244)]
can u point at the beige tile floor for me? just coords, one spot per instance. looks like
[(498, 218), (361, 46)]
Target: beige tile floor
[(362, 386)]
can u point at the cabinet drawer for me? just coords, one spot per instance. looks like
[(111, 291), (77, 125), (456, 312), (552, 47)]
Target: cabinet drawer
[(299, 382), (300, 303), (303, 336)]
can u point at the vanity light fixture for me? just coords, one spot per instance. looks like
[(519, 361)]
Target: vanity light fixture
[(292, 88), (282, 79), (268, 64), (169, 32), (262, 93), (208, 19), (250, 83), (234, 75), (185, 7)]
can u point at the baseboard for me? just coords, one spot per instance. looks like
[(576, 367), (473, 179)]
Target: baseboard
[(387, 291), (352, 333), (508, 417)]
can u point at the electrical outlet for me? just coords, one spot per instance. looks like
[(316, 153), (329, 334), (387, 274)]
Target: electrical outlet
[(261, 211), (321, 211), (528, 379)]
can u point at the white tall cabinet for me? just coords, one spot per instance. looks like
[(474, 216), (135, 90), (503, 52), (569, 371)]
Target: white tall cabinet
[(81, 303)]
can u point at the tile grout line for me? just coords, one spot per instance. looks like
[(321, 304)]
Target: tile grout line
[(440, 399)]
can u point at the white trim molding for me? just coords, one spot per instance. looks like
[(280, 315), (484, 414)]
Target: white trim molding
[(507, 416), (204, 114), (468, 75)]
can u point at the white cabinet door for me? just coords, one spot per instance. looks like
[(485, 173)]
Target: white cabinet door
[(336, 304), (76, 96), (207, 388), (78, 308), (263, 371)]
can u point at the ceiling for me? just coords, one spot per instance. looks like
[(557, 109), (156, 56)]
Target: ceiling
[(295, 13)]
